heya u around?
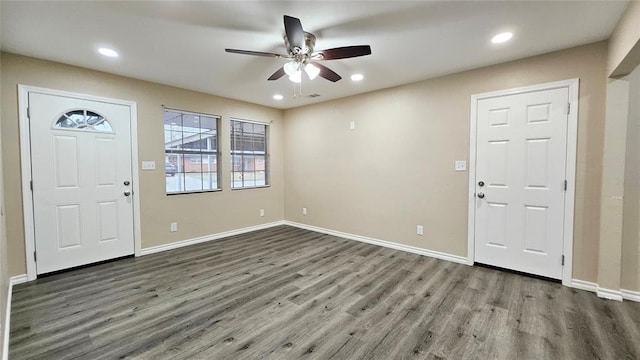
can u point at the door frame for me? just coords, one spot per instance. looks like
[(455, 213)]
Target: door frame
[(570, 168), (25, 166)]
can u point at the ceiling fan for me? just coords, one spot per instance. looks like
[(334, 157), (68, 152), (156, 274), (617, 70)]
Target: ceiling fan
[(302, 56)]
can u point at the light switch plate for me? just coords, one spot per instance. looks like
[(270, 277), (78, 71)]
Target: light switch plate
[(148, 165), (461, 165), (352, 125)]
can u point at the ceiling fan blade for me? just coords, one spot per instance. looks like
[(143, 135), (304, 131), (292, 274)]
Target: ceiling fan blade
[(327, 73), (295, 34), (255, 53), (344, 52), (277, 75)]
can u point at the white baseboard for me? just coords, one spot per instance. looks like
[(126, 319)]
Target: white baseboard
[(388, 244), (14, 280), (18, 279), (584, 285), (609, 294), (631, 295), (198, 240)]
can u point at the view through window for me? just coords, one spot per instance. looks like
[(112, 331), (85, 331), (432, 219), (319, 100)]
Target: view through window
[(191, 152), (249, 157)]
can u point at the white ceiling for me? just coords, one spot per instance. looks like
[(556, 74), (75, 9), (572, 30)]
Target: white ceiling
[(182, 43)]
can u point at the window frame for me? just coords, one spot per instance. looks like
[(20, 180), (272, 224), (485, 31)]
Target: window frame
[(183, 152), (267, 154)]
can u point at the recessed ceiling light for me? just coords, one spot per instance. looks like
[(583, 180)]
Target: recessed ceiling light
[(278, 97), (108, 52), (502, 37), (357, 77)]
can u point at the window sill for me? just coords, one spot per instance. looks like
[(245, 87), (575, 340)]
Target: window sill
[(252, 187), (193, 192)]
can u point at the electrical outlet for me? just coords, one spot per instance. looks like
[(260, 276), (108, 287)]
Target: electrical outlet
[(174, 227), (304, 211), (420, 230), (261, 212)]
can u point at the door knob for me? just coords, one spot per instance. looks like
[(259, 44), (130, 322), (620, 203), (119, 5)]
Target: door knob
[(481, 183), (126, 183), (481, 195), (127, 193)]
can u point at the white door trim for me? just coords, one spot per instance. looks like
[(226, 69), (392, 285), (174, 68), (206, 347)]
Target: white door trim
[(570, 171), (25, 159)]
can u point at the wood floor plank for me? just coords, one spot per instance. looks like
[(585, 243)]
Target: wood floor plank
[(288, 293)]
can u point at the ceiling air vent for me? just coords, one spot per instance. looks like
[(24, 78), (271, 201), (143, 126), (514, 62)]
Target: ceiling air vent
[(313, 95)]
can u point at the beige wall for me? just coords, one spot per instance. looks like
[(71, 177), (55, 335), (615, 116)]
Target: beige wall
[(4, 269), (4, 275), (619, 262), (612, 193), (631, 209), (395, 170), (624, 44), (196, 214)]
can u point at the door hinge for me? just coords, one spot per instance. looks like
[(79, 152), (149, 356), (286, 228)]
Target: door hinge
[(562, 260), (565, 185), (35, 258), (568, 108), (31, 184), (29, 112)]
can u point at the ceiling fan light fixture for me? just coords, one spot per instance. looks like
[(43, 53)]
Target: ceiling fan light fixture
[(290, 68), (296, 77), (312, 71), (278, 97), (357, 77)]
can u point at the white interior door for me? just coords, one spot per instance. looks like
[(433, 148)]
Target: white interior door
[(81, 171), (520, 181)]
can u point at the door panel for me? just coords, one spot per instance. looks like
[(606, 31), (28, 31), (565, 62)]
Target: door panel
[(521, 158), (81, 157), (68, 226), (65, 161)]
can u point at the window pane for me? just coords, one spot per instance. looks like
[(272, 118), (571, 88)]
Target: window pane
[(208, 123), (86, 120), (210, 181), (209, 141), (248, 178), (248, 154), (248, 163), (191, 145), (193, 163), (209, 163), (236, 179), (236, 163), (191, 123), (261, 178), (260, 163), (193, 182)]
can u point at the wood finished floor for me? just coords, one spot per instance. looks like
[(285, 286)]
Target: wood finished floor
[(287, 293)]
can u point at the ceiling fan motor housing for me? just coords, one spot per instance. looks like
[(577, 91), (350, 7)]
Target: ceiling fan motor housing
[(309, 43)]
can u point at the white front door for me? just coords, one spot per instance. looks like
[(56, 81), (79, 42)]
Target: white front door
[(520, 181), (81, 171)]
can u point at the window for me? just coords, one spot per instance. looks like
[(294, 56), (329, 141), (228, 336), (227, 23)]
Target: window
[(83, 120), (249, 157), (191, 152)]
